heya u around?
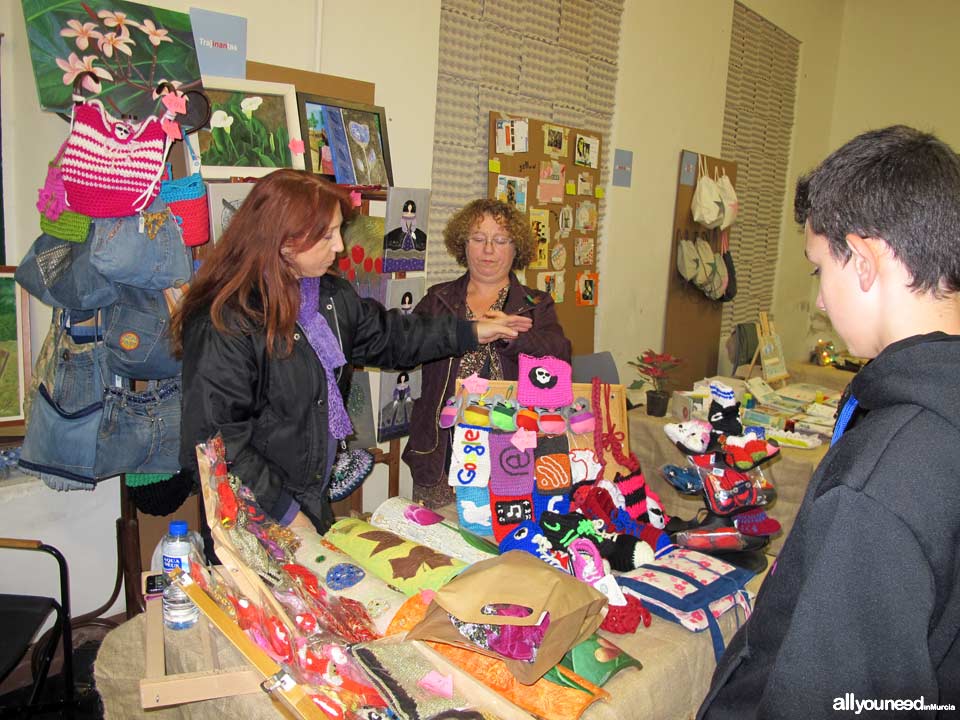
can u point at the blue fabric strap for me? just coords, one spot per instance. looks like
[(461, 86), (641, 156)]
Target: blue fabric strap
[(845, 414)]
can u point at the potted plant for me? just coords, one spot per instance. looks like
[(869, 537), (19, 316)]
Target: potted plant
[(655, 369)]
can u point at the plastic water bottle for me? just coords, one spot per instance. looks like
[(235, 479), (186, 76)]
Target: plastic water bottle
[(179, 612)]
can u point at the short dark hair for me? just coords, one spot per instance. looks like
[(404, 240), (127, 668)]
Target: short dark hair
[(897, 184)]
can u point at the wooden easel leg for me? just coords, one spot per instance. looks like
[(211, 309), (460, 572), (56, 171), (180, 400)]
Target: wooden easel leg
[(128, 528)]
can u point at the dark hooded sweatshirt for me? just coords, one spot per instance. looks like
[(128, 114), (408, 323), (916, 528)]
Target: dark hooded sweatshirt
[(864, 597)]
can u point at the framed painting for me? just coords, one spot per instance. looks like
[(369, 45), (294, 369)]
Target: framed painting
[(253, 129), (224, 200), (14, 351), (345, 140)]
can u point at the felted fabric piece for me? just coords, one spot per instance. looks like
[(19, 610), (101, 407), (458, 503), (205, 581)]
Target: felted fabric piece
[(583, 465), (544, 382), (597, 659), (725, 420), (380, 600), (529, 537), (507, 511), (560, 694), (595, 503), (552, 465), (561, 530), (407, 566), (511, 469), (395, 668), (413, 522), (550, 503), (474, 511), (634, 489), (469, 457)]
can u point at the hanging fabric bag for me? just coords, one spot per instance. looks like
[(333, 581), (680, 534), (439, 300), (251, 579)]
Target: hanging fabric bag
[(111, 168), (707, 205), (187, 199), (55, 218)]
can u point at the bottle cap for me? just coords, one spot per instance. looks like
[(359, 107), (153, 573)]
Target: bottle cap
[(178, 527)]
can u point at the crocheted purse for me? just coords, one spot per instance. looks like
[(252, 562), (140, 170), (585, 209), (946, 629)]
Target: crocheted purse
[(111, 167), (187, 199)]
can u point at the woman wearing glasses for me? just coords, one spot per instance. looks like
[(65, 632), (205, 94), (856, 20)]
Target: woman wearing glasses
[(491, 239)]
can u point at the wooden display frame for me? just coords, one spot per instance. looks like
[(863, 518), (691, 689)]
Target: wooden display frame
[(618, 414)]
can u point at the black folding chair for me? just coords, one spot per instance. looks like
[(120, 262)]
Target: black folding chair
[(21, 617)]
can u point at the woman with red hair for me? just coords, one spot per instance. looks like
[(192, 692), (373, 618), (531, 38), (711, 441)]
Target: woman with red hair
[(268, 336)]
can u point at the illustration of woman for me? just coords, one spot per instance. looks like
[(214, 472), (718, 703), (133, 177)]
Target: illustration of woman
[(395, 416)]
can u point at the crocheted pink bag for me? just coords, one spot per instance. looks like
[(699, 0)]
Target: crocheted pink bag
[(112, 168), (544, 382)]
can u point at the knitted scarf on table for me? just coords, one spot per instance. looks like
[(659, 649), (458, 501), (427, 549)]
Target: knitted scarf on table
[(328, 351)]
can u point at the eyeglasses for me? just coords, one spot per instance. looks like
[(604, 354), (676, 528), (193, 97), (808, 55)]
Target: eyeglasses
[(497, 241)]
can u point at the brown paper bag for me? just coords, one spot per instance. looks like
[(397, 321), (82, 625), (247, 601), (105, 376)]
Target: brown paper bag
[(515, 578)]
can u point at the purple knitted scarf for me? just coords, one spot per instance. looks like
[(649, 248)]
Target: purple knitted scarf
[(328, 351)]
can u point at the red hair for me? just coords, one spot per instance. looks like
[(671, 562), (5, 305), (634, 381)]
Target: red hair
[(250, 269)]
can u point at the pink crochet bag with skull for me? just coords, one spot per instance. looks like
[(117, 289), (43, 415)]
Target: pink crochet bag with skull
[(544, 382), (111, 167)]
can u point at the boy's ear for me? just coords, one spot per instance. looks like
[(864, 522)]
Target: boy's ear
[(866, 254)]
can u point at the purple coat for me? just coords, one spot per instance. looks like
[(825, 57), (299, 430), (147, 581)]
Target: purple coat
[(426, 450)]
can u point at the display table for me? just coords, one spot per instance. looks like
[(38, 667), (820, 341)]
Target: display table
[(790, 472), (677, 666), (827, 376)]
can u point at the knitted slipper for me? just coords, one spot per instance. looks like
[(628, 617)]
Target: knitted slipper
[(756, 522), (586, 560), (350, 469), (686, 480)]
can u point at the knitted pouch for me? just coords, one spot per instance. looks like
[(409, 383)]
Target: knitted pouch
[(544, 382), (112, 168), (55, 219), (187, 199), (69, 225)]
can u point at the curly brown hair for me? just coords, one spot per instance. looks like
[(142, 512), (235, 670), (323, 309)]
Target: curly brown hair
[(457, 232)]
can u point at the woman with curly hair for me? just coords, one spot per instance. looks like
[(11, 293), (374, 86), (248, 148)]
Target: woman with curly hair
[(491, 239)]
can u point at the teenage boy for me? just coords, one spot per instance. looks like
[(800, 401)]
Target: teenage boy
[(863, 603)]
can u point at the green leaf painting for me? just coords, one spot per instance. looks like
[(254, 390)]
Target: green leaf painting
[(128, 46), (10, 392), (246, 130)]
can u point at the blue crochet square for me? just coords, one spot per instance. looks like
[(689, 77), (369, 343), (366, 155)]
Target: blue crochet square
[(473, 510), (553, 503)]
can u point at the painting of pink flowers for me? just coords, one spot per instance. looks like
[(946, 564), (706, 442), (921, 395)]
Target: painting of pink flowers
[(127, 48)]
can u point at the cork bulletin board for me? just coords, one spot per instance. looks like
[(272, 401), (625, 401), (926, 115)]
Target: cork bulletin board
[(692, 324), (552, 172)]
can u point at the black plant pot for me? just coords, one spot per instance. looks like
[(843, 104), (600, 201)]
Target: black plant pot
[(657, 401)]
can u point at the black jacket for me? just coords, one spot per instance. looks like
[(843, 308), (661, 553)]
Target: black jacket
[(865, 595), (272, 411)]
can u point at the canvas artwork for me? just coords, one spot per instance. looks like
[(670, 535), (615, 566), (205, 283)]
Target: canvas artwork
[(316, 139), (513, 191), (253, 129), (587, 151), (405, 293), (358, 148), (513, 136), (359, 405), (583, 251), (405, 241), (587, 283), (586, 219), (224, 200), (362, 261), (14, 349), (540, 226), (555, 140), (552, 283), (552, 177), (397, 393), (128, 46)]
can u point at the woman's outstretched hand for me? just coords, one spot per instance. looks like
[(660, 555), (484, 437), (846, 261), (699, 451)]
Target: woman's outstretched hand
[(497, 325)]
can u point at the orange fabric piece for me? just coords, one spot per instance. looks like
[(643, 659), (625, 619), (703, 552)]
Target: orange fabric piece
[(543, 698)]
